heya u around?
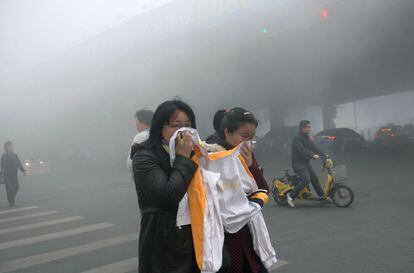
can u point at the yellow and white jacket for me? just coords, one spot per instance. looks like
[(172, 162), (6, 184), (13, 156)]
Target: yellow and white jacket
[(216, 202)]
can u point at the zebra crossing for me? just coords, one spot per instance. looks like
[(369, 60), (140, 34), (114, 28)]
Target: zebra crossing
[(29, 227), (35, 230)]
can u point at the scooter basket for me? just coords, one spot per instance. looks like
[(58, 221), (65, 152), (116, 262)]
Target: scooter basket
[(339, 173)]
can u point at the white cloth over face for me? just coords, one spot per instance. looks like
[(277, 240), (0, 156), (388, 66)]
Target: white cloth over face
[(227, 184)]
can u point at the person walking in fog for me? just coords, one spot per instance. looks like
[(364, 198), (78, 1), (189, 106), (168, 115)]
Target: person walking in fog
[(10, 164), (234, 127), (164, 247), (143, 119)]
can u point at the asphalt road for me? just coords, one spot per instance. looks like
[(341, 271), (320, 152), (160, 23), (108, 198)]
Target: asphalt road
[(87, 222)]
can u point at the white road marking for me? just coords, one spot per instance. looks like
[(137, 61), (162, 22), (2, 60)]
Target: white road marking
[(119, 267), (17, 210), (27, 216), (279, 264), (40, 224), (26, 262), (51, 236), (132, 264)]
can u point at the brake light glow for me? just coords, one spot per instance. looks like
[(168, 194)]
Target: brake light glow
[(331, 137)]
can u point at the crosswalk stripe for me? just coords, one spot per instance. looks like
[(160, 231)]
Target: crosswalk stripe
[(27, 216), (51, 236), (17, 210), (119, 267), (279, 264), (131, 264), (26, 262), (40, 224)]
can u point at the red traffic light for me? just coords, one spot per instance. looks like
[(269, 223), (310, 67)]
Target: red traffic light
[(324, 14)]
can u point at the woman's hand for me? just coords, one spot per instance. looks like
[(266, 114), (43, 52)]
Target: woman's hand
[(247, 153), (184, 144)]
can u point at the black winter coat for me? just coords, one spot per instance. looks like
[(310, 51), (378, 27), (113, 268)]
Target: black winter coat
[(163, 247), (303, 151), (10, 163)]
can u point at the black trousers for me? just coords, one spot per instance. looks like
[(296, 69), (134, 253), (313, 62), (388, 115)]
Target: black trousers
[(12, 186), (307, 176)]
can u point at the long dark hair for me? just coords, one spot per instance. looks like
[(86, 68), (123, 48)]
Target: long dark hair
[(162, 116), (234, 119), (218, 117)]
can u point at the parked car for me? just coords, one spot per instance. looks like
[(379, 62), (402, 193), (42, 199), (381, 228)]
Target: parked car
[(339, 139), (277, 141), (391, 134), (409, 130)]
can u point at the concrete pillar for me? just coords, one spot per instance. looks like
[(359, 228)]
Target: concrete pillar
[(277, 115), (328, 116)]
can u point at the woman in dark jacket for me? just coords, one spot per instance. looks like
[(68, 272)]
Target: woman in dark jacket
[(239, 125), (164, 247)]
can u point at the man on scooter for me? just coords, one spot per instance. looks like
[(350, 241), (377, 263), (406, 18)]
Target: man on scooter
[(303, 150)]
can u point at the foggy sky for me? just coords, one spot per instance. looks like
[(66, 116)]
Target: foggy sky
[(34, 31), (72, 73)]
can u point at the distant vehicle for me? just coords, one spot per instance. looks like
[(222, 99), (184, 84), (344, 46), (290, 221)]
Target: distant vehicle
[(35, 166), (391, 134), (409, 131), (339, 139), (277, 140)]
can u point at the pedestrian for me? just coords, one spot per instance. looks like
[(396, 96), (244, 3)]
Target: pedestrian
[(10, 164), (164, 247), (237, 126), (142, 119)]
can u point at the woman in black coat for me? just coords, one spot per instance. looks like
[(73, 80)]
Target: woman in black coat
[(164, 247)]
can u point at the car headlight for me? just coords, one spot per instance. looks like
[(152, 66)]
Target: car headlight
[(27, 164)]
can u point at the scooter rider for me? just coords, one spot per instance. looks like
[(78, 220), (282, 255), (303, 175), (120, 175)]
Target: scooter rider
[(303, 150)]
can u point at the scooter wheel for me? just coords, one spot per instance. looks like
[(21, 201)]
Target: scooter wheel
[(280, 200), (342, 196)]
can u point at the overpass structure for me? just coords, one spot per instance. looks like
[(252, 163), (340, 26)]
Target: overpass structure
[(271, 54)]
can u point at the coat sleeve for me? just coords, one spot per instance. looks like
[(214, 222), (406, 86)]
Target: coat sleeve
[(316, 150), (257, 173), (19, 164), (156, 183), (301, 149)]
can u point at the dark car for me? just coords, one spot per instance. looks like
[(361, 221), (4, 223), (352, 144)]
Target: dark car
[(392, 135), (409, 130), (277, 141), (339, 139)]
